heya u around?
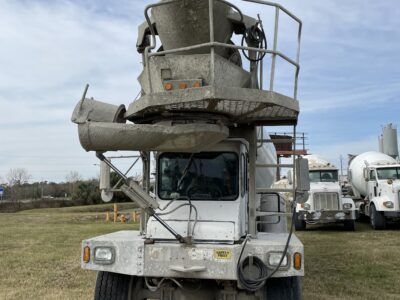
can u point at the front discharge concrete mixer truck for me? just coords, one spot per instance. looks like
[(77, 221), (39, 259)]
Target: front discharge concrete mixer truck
[(214, 229), (326, 204), (375, 181)]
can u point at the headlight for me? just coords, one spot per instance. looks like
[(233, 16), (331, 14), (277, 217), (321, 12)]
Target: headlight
[(306, 206), (388, 204), (275, 257), (347, 206), (104, 255)]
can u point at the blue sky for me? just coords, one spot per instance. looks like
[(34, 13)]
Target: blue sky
[(349, 81)]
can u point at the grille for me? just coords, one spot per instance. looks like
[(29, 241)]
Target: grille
[(326, 201)]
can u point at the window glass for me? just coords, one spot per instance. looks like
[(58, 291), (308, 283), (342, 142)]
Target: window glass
[(388, 173), (324, 176), (199, 176), (372, 175)]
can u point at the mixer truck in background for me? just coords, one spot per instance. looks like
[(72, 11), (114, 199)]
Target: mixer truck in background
[(215, 229), (325, 204), (375, 181)]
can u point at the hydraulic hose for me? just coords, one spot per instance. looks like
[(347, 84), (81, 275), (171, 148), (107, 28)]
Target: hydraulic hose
[(251, 284)]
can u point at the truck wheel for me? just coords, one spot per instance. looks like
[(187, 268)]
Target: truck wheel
[(112, 286), (299, 224), (288, 288), (349, 225), (376, 218)]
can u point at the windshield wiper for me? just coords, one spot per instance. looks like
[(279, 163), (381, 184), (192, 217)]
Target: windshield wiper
[(185, 171)]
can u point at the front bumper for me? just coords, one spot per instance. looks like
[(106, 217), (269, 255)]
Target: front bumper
[(204, 261), (325, 216), (392, 214)]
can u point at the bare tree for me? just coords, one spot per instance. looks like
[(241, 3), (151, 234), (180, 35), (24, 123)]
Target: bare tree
[(72, 178), (17, 176)]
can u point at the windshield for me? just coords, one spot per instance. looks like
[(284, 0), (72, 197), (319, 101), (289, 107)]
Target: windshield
[(324, 176), (388, 173), (200, 176)]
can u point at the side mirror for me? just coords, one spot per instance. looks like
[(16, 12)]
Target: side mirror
[(302, 180), (365, 174), (105, 185), (302, 175)]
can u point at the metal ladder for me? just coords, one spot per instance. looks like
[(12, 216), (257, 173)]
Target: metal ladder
[(293, 153)]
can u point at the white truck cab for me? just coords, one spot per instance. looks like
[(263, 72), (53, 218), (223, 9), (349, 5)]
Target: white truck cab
[(204, 197), (326, 204), (206, 178), (375, 181)]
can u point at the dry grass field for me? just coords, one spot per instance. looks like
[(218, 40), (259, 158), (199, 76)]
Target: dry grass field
[(40, 254), (364, 264)]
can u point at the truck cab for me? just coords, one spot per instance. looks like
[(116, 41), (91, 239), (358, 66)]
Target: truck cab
[(326, 204), (215, 183), (382, 201), (204, 197)]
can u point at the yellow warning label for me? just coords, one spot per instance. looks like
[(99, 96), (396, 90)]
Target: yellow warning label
[(222, 254)]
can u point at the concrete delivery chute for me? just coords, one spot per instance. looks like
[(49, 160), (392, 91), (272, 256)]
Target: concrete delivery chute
[(211, 223)]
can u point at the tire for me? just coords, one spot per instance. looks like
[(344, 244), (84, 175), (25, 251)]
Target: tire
[(112, 286), (299, 225), (362, 218), (288, 288), (349, 225), (376, 218)]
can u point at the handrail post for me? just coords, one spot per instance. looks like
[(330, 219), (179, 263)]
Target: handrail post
[(296, 79), (273, 64), (294, 164), (212, 39)]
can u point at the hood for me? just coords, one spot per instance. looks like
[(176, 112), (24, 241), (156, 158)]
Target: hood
[(325, 186)]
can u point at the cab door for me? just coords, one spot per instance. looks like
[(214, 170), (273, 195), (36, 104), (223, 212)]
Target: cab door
[(372, 185), (244, 187)]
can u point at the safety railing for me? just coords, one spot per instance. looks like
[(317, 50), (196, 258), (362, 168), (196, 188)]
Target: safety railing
[(212, 44)]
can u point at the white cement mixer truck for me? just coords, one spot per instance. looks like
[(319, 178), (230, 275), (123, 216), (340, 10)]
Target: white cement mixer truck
[(326, 204), (375, 180), (214, 228)]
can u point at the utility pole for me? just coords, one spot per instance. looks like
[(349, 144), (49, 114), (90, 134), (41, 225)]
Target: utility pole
[(341, 165)]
